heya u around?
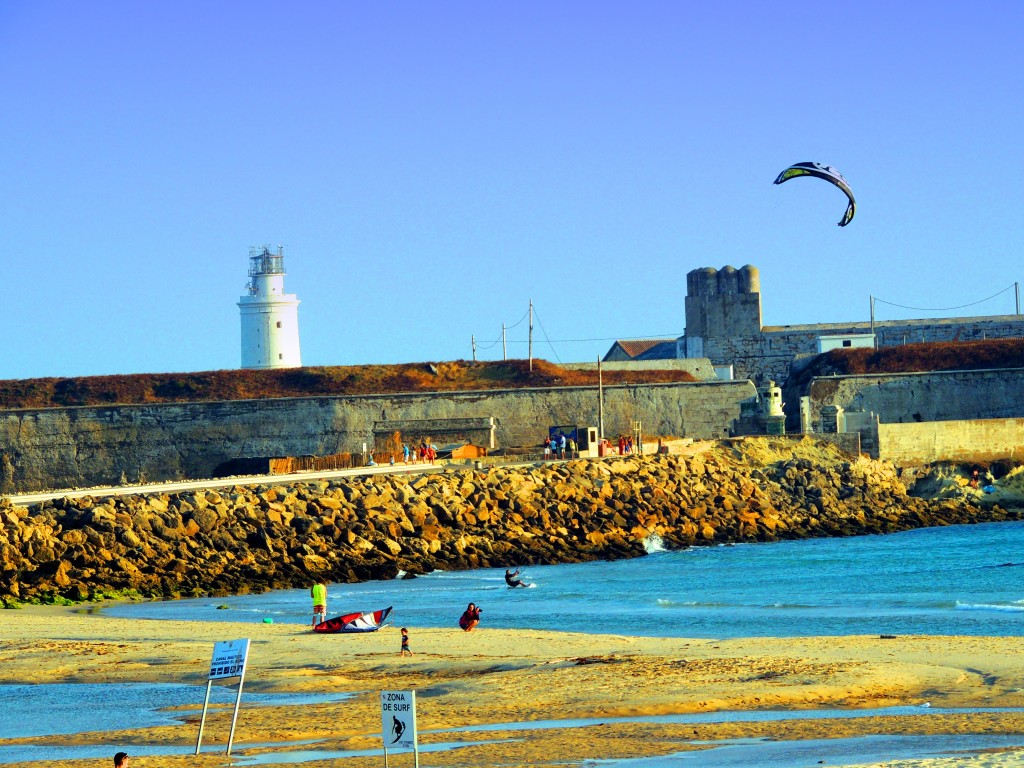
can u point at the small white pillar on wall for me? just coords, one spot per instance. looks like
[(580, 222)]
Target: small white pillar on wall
[(270, 317)]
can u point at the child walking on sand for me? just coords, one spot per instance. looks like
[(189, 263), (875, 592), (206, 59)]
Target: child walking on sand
[(405, 643)]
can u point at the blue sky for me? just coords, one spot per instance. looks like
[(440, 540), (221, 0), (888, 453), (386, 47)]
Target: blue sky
[(430, 167)]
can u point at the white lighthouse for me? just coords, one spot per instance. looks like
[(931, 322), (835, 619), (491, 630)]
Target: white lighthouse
[(270, 317)]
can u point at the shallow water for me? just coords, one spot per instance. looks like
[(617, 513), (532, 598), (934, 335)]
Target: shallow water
[(739, 752), (726, 716), (309, 755), (29, 753), (765, 753), (51, 709), (734, 753), (955, 580)]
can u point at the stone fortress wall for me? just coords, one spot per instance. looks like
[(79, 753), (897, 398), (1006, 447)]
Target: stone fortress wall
[(908, 398), (81, 447), (918, 418), (88, 446), (723, 323), (913, 417), (963, 441)]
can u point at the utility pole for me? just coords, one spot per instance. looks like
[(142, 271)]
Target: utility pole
[(1016, 288), (600, 402), (504, 349), (531, 336), (473, 341), (873, 342)]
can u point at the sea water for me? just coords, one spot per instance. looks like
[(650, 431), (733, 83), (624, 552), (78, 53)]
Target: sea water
[(955, 580), (963, 580)]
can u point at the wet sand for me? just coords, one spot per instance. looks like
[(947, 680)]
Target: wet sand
[(504, 676)]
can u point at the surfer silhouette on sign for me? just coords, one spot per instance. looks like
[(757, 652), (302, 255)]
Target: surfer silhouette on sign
[(397, 728)]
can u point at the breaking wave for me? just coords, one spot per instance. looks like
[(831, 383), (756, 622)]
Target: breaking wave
[(1015, 607), (654, 543)]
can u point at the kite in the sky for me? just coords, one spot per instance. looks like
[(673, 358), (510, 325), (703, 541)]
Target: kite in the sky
[(828, 173)]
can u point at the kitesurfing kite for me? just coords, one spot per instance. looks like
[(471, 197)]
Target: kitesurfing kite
[(370, 621), (828, 173)]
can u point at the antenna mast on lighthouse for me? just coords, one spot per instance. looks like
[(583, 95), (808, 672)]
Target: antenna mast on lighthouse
[(270, 317)]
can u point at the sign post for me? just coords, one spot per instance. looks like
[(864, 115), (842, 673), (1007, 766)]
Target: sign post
[(229, 660), (398, 722)]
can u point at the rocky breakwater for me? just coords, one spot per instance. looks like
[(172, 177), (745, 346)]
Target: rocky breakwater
[(264, 537)]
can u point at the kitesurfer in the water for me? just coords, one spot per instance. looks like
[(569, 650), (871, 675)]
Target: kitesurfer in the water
[(511, 580)]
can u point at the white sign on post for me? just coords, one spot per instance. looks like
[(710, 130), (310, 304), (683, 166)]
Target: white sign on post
[(229, 659), (398, 719)]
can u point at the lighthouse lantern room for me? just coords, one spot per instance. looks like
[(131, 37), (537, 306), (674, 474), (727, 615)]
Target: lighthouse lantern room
[(270, 317)]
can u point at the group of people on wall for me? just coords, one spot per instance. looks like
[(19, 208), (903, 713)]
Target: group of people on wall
[(560, 447), (425, 453)]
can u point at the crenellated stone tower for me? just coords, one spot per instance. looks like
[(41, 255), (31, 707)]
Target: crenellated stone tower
[(721, 304)]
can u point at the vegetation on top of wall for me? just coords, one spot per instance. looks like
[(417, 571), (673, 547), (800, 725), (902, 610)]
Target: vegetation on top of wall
[(941, 356), (308, 382)]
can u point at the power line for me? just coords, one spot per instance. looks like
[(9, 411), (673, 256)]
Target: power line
[(946, 309), (507, 327), (505, 341), (665, 336), (491, 344), (541, 324)]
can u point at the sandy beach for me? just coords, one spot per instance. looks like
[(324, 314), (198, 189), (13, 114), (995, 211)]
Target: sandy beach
[(502, 676)]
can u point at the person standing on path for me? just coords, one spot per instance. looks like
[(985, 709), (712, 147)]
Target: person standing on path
[(121, 760), (319, 595)]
